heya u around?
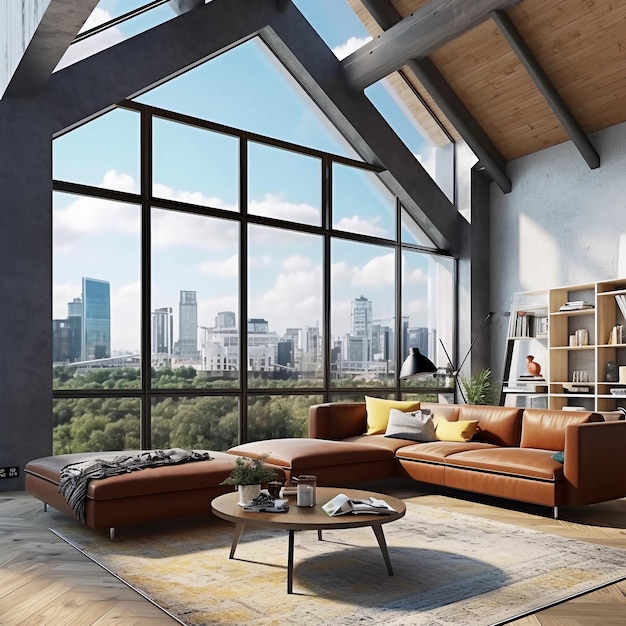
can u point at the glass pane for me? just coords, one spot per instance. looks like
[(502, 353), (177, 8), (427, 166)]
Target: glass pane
[(195, 285), (104, 12), (96, 293), (284, 308), (284, 185), (195, 165), (95, 424), (102, 153), (412, 233), (205, 423), (361, 203), (274, 417), (417, 128), (427, 311), (248, 88), (363, 324)]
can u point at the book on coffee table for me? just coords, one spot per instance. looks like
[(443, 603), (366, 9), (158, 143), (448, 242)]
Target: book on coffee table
[(342, 505)]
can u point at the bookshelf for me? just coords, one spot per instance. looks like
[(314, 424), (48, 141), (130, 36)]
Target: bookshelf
[(585, 343)]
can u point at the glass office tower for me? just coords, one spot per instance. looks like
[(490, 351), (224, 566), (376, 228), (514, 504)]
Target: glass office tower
[(96, 331)]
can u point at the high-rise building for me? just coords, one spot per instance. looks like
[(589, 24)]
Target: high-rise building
[(225, 319), (188, 326), (96, 319), (162, 332), (361, 324)]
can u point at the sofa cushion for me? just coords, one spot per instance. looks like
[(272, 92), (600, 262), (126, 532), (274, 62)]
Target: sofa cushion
[(545, 429), (461, 430), (378, 412), (301, 452), (447, 411), (438, 451), (412, 425), (499, 425), (523, 462)]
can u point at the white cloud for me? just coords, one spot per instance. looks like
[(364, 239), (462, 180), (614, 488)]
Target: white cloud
[(93, 44), (120, 182), (192, 197), (294, 300), (171, 229), (87, 216), (356, 224), (354, 43), (273, 206), (416, 277), (226, 268), (296, 263), (377, 272)]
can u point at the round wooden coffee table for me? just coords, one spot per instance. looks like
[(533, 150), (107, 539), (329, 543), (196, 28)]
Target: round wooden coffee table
[(309, 518)]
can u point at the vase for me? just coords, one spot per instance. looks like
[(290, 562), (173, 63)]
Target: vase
[(534, 369), (248, 492)]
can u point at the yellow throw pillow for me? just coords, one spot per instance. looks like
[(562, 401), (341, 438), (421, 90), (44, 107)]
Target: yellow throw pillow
[(463, 430), (378, 412)]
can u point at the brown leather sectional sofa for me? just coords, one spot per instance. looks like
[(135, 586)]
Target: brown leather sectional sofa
[(510, 457)]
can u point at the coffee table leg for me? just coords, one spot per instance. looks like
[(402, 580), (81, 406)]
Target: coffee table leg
[(290, 563), (378, 531), (236, 535)]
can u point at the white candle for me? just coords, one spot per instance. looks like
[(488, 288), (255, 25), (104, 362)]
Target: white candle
[(305, 495)]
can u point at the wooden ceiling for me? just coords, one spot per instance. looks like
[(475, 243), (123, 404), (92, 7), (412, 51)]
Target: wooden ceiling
[(580, 45)]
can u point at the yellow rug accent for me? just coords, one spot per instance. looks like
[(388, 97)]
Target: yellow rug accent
[(449, 569)]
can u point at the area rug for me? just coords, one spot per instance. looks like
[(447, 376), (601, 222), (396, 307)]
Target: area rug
[(449, 569)]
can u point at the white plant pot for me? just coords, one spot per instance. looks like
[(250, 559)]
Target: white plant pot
[(248, 492)]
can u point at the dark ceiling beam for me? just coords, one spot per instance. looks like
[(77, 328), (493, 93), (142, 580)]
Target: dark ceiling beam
[(446, 99), (545, 86), (182, 6), (416, 36), (53, 36)]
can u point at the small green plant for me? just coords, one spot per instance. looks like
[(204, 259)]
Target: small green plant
[(250, 472), (479, 388)]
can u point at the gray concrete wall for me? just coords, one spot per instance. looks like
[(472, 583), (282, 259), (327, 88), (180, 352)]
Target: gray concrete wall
[(18, 21), (560, 225)]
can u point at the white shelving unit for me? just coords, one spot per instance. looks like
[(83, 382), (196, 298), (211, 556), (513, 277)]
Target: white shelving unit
[(580, 343)]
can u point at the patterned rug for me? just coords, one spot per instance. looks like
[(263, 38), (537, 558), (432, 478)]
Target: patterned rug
[(450, 569)]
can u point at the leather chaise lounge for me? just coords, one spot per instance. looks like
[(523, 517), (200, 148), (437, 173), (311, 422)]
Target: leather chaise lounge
[(156, 493)]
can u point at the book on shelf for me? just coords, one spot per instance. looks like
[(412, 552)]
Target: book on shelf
[(617, 334), (343, 505), (621, 303), (576, 305)]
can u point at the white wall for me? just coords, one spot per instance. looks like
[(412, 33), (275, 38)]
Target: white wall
[(560, 225)]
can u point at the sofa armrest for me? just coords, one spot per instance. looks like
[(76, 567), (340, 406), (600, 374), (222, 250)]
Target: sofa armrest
[(594, 462), (337, 420)]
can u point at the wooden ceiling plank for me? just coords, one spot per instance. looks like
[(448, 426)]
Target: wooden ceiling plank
[(546, 87)]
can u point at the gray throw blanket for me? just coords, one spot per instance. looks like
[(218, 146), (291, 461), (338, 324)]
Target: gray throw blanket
[(74, 478)]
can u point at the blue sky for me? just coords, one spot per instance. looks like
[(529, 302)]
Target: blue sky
[(244, 88)]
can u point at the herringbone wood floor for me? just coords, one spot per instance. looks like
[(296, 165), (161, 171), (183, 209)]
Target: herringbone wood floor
[(45, 582)]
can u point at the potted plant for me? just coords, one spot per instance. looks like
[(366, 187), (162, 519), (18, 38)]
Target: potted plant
[(479, 388), (248, 475)]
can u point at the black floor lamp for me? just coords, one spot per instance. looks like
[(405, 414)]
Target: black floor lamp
[(416, 364)]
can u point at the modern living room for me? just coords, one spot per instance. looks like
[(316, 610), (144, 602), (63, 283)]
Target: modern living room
[(478, 223)]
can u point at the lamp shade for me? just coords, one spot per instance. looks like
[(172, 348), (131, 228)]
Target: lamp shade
[(415, 364)]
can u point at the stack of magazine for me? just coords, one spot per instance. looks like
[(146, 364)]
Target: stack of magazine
[(264, 503), (343, 505), (576, 305)]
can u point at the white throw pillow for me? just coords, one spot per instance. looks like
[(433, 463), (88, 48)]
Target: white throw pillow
[(414, 425)]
